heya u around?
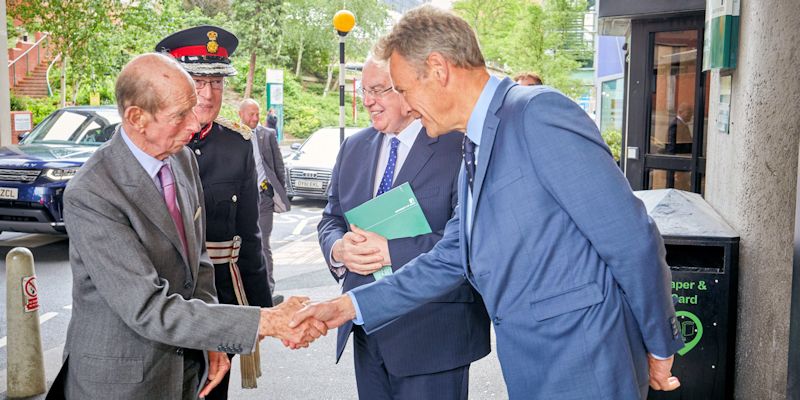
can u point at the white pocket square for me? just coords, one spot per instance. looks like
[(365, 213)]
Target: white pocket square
[(197, 213)]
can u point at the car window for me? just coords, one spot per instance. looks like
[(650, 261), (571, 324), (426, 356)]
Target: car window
[(75, 126)]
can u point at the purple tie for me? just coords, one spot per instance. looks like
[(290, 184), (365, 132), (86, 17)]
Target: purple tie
[(168, 186)]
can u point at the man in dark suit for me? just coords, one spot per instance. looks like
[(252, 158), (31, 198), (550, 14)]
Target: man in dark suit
[(570, 266), (227, 171), (271, 181), (427, 353), (144, 321)]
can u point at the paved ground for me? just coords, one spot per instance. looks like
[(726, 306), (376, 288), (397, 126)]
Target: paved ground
[(299, 269)]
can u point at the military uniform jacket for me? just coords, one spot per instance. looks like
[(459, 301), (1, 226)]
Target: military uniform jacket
[(228, 176)]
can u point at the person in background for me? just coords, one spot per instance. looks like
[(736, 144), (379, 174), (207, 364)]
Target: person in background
[(528, 79), (271, 181)]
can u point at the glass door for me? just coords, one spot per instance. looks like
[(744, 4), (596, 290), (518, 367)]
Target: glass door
[(666, 105), (678, 91)]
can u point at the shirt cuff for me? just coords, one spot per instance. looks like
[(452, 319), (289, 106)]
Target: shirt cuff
[(657, 357), (338, 268), (357, 320)]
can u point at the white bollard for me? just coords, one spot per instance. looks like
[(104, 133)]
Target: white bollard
[(25, 360)]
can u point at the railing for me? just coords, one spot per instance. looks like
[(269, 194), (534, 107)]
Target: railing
[(28, 60), (47, 75)]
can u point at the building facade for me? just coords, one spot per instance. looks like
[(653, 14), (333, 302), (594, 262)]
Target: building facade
[(732, 136)]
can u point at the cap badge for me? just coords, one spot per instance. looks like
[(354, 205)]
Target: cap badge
[(212, 45)]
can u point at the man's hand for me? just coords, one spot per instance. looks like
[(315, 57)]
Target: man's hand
[(661, 374), (333, 312), (218, 366), (359, 259), (374, 240), (275, 322)]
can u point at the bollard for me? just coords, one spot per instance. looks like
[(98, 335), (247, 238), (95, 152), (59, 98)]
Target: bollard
[(25, 360)]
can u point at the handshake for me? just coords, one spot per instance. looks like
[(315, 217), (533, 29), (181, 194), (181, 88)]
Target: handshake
[(297, 322)]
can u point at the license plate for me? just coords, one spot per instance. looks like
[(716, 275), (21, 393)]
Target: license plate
[(302, 183), (8, 193)]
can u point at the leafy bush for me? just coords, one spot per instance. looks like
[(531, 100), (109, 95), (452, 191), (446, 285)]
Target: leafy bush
[(613, 139), (40, 108)]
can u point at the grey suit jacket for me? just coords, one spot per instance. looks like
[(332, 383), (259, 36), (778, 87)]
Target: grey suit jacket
[(272, 160), (137, 298)]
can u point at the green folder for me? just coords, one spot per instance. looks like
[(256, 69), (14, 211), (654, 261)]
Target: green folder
[(395, 214)]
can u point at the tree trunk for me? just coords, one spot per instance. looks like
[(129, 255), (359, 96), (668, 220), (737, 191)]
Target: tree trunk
[(299, 57), (76, 87), (64, 82), (251, 71), (328, 81)]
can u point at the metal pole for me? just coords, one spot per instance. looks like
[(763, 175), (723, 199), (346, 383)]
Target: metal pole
[(341, 87), (5, 89)]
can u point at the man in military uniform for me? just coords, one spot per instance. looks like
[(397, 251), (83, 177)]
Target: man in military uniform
[(227, 172)]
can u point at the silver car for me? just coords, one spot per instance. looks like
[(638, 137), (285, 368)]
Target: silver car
[(309, 166)]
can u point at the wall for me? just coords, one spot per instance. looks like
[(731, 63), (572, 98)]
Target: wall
[(751, 181)]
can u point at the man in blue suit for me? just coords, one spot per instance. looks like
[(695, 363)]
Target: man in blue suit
[(426, 354), (570, 267)]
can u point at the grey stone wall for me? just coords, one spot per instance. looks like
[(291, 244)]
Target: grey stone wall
[(751, 180)]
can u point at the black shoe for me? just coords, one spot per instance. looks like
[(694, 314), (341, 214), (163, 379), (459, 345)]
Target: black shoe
[(277, 299)]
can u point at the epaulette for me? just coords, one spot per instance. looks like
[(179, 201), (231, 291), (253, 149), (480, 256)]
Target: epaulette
[(237, 127)]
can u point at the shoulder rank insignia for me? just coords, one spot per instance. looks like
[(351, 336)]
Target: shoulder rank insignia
[(237, 127)]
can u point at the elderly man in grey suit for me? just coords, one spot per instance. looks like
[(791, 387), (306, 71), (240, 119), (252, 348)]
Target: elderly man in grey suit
[(143, 311), (271, 182)]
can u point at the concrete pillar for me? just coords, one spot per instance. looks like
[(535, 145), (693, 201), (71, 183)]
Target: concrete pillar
[(752, 181), (25, 360)]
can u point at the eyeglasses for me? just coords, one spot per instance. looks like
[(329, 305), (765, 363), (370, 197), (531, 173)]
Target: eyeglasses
[(216, 84), (375, 94)]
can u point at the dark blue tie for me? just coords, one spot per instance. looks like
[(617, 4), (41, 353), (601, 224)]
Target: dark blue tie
[(468, 148), (388, 174)]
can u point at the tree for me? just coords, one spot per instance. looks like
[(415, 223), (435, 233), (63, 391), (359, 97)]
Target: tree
[(519, 35), (258, 26), (80, 30), (95, 38), (310, 38)]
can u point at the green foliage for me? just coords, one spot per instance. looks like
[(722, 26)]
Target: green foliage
[(613, 139), (308, 34), (521, 35), (306, 110), (40, 108)]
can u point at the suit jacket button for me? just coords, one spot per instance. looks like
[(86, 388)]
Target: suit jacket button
[(179, 350), (497, 320)]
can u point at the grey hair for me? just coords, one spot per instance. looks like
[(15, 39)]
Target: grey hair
[(138, 83), (427, 29)]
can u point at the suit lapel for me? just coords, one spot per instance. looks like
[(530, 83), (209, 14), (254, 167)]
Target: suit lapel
[(419, 155), (374, 150), (142, 192), (487, 141)]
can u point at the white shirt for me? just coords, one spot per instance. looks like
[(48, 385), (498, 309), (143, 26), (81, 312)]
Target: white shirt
[(262, 175)]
